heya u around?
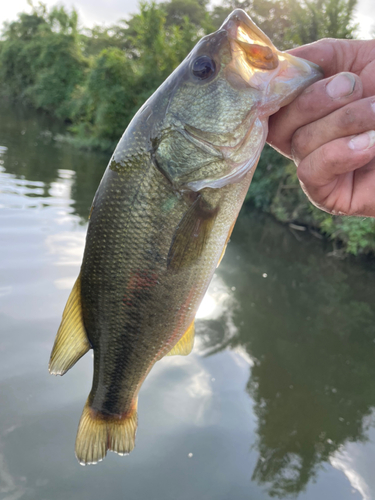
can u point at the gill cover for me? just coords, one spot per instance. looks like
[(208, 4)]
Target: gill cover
[(216, 122)]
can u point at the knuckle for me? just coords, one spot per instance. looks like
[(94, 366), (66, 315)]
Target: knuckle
[(316, 167), (347, 117), (306, 102), (305, 172), (300, 140), (326, 158), (326, 40), (352, 118)]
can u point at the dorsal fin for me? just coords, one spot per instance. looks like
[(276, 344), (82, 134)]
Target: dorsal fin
[(185, 345), (71, 341)]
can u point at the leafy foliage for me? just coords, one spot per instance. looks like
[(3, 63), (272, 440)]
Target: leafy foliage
[(295, 22), (123, 76), (108, 99), (41, 60)]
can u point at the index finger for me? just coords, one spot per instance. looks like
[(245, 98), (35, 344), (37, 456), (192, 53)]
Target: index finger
[(315, 102), (335, 56), (332, 55)]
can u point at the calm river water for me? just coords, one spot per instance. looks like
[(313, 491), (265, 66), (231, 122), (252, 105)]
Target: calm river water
[(277, 398)]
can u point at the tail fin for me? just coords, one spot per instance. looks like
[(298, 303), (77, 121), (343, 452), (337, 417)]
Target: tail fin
[(98, 432)]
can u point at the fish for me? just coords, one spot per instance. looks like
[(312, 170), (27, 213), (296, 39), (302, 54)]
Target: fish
[(162, 217)]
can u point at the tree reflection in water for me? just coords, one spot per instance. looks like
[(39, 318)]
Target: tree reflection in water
[(34, 153), (309, 327)]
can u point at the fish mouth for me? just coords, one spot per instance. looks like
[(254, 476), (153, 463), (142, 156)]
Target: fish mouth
[(247, 39), (257, 63)]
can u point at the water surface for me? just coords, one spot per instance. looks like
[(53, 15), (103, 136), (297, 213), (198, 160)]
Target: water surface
[(277, 398)]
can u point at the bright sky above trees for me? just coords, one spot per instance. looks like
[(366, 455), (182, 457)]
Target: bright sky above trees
[(109, 11)]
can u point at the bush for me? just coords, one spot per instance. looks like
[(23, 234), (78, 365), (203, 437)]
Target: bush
[(41, 60)]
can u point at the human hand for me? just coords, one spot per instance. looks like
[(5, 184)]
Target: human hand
[(329, 130)]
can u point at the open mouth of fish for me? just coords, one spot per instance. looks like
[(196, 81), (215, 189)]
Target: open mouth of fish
[(257, 61)]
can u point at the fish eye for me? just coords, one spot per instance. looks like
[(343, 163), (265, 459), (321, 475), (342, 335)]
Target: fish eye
[(203, 67)]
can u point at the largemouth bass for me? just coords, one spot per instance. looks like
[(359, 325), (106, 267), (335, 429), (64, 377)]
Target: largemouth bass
[(161, 219)]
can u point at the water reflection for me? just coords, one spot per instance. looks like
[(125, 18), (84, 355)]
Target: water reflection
[(29, 150), (307, 322), (345, 461)]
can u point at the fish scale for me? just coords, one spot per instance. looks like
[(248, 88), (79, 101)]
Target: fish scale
[(147, 322), (161, 219)]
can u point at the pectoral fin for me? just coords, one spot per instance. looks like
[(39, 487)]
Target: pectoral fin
[(71, 341), (191, 235), (185, 345)]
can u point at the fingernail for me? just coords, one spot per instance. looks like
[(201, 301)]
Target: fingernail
[(363, 141), (342, 85)]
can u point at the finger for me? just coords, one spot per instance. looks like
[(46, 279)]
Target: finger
[(332, 55), (327, 173), (352, 119), (315, 102)]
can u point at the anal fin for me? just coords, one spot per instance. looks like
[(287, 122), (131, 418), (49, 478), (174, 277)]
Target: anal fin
[(185, 345), (71, 341)]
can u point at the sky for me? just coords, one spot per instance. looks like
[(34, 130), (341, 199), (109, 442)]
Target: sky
[(109, 11)]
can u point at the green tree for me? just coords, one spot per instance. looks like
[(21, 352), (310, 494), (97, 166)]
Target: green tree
[(177, 10), (41, 59), (295, 22), (99, 38), (107, 100), (119, 81), (315, 19)]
